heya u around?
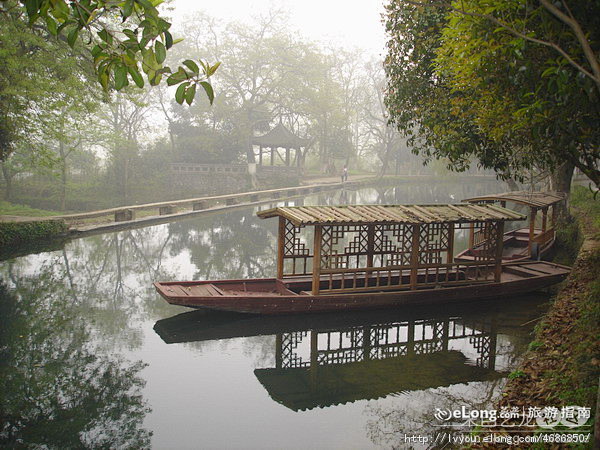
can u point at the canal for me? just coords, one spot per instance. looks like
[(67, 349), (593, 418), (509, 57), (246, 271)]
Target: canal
[(91, 356)]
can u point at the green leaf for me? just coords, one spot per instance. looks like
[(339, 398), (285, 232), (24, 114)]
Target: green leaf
[(209, 91), (72, 37), (192, 66), (120, 77), (105, 36), (160, 51), (136, 76), (127, 9), (180, 93), (168, 40), (52, 26), (32, 7), (213, 69), (190, 93), (177, 77)]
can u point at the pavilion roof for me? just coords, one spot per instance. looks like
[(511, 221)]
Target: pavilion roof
[(374, 214), (533, 199), (280, 136)]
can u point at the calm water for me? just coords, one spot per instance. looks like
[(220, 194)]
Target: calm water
[(92, 356)]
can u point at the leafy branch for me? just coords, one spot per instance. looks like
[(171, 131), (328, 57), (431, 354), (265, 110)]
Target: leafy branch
[(121, 52)]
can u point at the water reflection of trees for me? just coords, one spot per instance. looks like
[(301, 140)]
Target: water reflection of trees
[(59, 390)]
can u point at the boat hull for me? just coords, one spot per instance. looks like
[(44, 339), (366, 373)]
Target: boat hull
[(274, 296)]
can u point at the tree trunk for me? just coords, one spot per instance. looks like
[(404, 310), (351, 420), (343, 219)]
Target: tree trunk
[(63, 176), (8, 180), (560, 181), (512, 184)]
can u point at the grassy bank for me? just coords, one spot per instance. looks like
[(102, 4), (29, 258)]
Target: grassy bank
[(12, 209), (562, 365), (17, 233)]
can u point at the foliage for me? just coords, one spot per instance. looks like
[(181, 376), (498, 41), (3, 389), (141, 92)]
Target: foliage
[(484, 88), (12, 233), (124, 38), (11, 209)]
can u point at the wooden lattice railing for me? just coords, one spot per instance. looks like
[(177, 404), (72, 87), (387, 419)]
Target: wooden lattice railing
[(405, 277)]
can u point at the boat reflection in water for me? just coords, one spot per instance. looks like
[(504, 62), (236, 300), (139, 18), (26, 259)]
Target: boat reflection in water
[(329, 359)]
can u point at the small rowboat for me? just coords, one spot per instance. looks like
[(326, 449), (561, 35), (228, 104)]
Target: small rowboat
[(526, 243)]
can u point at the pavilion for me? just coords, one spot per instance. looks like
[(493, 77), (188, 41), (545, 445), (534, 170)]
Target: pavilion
[(280, 138)]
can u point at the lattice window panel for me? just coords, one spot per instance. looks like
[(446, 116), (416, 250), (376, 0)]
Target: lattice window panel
[(289, 344), (336, 256), (488, 236), (391, 351), (483, 346), (343, 356), (438, 330), (293, 246), (426, 347), (433, 242)]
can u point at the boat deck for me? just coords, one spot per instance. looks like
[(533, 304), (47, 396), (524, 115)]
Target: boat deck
[(293, 294)]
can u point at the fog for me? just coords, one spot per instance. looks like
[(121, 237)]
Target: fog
[(299, 95)]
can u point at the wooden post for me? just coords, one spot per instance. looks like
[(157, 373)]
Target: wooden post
[(314, 361), (499, 247), (316, 278), (281, 247), (471, 235), (260, 156), (450, 253), (370, 250), (272, 156), (544, 219), (287, 157), (278, 351), (414, 257), (531, 229)]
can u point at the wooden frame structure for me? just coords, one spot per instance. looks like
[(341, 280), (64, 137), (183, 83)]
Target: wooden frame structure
[(536, 201), (325, 367), (363, 248)]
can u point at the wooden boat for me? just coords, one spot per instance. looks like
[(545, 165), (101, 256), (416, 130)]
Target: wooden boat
[(373, 256), (532, 242)]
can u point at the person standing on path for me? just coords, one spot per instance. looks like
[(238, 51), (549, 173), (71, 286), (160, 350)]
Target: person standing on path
[(345, 173)]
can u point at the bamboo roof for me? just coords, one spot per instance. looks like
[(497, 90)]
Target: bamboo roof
[(373, 214), (533, 199)]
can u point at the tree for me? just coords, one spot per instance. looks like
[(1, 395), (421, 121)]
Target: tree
[(125, 39), (507, 82)]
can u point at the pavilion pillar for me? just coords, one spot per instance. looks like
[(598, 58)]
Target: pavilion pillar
[(281, 247), (316, 276), (498, 255), (414, 256), (531, 229), (272, 156), (260, 156), (450, 251), (287, 157)]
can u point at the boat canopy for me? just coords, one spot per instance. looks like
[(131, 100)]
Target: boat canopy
[(532, 199), (357, 247), (391, 214)]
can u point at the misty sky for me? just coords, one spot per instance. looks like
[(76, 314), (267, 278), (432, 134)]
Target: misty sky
[(346, 23)]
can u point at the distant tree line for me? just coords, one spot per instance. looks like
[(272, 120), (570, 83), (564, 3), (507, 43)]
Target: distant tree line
[(69, 144)]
